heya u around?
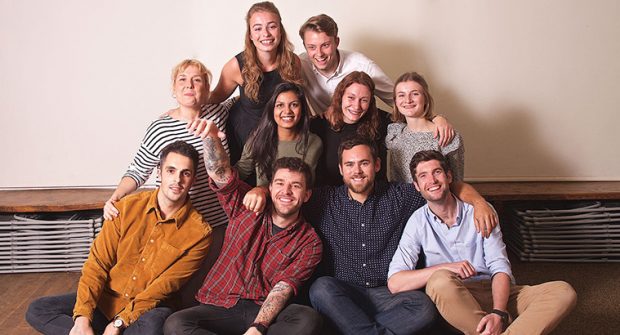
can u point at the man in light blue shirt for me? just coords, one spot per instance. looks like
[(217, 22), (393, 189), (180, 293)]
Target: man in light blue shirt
[(467, 276)]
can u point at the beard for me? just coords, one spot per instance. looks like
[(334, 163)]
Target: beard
[(359, 188)]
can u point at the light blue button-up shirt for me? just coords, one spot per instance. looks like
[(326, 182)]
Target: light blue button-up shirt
[(426, 232)]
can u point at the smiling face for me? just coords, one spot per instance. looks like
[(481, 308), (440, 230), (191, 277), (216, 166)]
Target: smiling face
[(355, 102), (190, 87), (410, 99), (322, 51), (177, 176), (358, 169), (289, 191), (287, 110), (432, 181), (265, 31)]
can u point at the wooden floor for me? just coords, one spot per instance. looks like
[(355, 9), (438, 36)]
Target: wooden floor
[(18, 290)]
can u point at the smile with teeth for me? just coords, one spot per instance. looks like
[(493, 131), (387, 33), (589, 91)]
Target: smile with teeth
[(288, 118), (433, 188), (355, 112), (266, 42)]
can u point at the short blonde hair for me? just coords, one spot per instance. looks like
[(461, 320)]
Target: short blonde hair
[(204, 72)]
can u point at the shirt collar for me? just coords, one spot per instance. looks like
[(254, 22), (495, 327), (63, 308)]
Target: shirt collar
[(269, 222), (459, 214), (178, 218)]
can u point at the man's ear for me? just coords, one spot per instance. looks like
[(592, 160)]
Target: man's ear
[(415, 184), (377, 164), (308, 195), (449, 176), (340, 169), (337, 42)]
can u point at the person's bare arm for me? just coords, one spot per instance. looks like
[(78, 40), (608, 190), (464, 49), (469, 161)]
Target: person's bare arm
[(408, 280), (274, 303), (230, 78), (125, 186), (491, 324), (485, 216), (216, 159)]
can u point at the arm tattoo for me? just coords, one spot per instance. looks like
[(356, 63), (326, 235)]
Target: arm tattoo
[(216, 160), (275, 302)]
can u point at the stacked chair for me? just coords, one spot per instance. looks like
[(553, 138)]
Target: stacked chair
[(47, 242), (564, 231)]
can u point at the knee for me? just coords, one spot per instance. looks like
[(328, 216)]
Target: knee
[(323, 289), (174, 324), (35, 310), (307, 320), (439, 282), (565, 295)]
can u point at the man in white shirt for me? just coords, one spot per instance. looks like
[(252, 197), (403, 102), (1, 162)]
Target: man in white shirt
[(324, 66)]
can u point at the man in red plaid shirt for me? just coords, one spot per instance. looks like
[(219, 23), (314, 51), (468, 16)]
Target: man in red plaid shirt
[(265, 257)]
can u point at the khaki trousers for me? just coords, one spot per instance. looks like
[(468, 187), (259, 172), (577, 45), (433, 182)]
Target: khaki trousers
[(534, 309)]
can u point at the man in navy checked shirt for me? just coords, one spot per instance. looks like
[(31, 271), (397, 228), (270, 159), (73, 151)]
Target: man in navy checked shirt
[(360, 224), (265, 257)]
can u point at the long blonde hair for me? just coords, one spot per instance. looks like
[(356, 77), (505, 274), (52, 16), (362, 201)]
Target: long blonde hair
[(285, 58)]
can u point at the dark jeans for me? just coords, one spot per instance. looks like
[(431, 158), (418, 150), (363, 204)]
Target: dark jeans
[(54, 316), (210, 319), (358, 310)]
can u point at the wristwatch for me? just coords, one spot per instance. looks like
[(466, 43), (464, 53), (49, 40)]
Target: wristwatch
[(118, 323), (261, 327), (503, 315)]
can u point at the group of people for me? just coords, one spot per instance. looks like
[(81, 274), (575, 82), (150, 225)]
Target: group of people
[(321, 195)]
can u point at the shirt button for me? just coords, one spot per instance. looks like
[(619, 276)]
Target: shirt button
[(364, 265), (367, 284), (134, 277), (144, 259), (363, 244), (363, 225), (128, 294), (152, 241)]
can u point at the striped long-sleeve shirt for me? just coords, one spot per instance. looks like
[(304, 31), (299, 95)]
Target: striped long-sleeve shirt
[(166, 130)]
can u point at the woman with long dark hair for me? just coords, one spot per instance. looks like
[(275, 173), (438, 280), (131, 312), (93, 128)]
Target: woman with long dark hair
[(283, 131)]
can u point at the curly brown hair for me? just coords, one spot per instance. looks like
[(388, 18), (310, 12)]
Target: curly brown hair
[(369, 123), (285, 58)]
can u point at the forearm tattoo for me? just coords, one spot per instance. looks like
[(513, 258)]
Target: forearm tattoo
[(275, 302), (217, 161)]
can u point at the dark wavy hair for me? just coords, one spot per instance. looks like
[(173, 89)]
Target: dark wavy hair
[(263, 141), (182, 148), (369, 123), (425, 156)]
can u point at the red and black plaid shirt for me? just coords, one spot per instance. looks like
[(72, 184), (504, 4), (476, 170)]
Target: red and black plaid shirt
[(252, 261)]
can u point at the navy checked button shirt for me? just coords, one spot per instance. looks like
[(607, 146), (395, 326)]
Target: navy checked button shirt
[(359, 240)]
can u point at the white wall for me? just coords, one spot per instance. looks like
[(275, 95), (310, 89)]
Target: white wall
[(530, 84)]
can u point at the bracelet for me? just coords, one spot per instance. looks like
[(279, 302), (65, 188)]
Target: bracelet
[(261, 327), (503, 315)]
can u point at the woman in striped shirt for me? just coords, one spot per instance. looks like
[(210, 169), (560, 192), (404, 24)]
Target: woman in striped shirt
[(190, 86)]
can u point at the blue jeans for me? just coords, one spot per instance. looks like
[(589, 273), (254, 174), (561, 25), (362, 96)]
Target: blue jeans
[(358, 310), (54, 315)]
